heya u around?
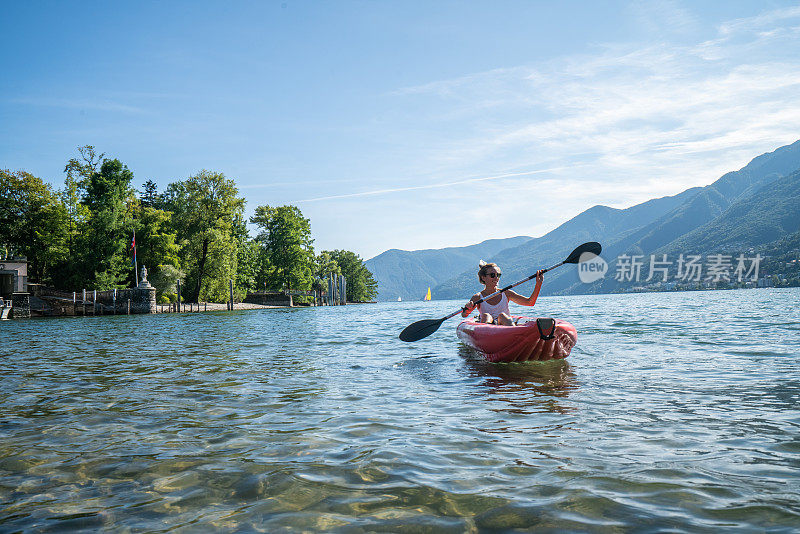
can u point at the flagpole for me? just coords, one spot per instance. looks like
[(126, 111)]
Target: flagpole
[(135, 261)]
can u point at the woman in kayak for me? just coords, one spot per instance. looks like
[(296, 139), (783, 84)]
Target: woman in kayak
[(496, 309)]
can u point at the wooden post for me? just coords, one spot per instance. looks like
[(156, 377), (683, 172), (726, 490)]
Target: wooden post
[(83, 303), (205, 306), (231, 286), (129, 306), (115, 301), (94, 303), (135, 260)]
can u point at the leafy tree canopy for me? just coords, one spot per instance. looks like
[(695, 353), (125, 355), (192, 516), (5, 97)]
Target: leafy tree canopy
[(33, 221), (285, 237), (209, 215), (361, 286), (80, 236)]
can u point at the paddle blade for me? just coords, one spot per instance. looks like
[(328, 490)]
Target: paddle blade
[(420, 329), (592, 247)]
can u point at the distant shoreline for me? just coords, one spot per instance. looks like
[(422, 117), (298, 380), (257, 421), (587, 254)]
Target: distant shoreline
[(215, 306), (684, 290), (186, 308)]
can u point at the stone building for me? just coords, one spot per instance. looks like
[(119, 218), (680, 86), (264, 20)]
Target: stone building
[(14, 286), (13, 276)]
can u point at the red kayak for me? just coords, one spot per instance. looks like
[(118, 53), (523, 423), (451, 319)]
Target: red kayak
[(531, 340)]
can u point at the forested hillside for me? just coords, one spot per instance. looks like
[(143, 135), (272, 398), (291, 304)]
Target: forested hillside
[(742, 210), (408, 274)]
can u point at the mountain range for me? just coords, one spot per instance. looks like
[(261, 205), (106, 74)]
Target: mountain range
[(744, 209), (409, 274)]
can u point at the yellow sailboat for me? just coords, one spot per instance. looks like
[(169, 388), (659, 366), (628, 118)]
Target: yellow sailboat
[(427, 295)]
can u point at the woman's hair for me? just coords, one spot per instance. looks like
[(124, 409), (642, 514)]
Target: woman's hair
[(483, 268)]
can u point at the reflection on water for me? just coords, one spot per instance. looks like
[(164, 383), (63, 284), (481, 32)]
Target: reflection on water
[(525, 388), (322, 420), (552, 377)]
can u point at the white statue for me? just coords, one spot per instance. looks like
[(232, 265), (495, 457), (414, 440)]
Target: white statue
[(143, 277)]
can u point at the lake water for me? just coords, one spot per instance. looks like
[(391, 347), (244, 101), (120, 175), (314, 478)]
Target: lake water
[(675, 411)]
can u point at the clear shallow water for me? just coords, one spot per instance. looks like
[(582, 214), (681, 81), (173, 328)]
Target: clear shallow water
[(674, 412)]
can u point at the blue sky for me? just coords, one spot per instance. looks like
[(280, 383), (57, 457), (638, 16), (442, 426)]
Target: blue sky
[(405, 124)]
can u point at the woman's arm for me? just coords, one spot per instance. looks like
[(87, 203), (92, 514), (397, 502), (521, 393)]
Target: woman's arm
[(516, 298), (470, 305)]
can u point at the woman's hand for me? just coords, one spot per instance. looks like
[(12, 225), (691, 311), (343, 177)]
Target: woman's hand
[(467, 309), (539, 276)]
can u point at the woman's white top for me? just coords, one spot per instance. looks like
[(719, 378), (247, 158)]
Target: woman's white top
[(497, 309)]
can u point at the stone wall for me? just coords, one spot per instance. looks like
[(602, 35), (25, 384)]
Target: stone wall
[(21, 307), (48, 301), (143, 300), (267, 298)]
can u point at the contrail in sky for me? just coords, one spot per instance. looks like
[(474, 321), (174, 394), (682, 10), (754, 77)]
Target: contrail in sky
[(433, 186)]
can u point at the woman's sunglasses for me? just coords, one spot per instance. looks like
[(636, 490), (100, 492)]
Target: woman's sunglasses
[(494, 275)]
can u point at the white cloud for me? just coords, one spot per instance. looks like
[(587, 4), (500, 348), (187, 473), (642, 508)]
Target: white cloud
[(624, 124), (81, 104), (759, 23), (639, 109)]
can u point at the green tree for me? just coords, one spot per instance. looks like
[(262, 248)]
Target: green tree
[(156, 242), (361, 286), (33, 222), (105, 236), (165, 279), (78, 173), (208, 215), (285, 238), (247, 265), (149, 195), (324, 266)]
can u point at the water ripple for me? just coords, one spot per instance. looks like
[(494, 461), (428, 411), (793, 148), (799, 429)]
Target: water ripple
[(674, 412)]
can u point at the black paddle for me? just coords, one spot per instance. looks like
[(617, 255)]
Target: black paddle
[(426, 327)]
